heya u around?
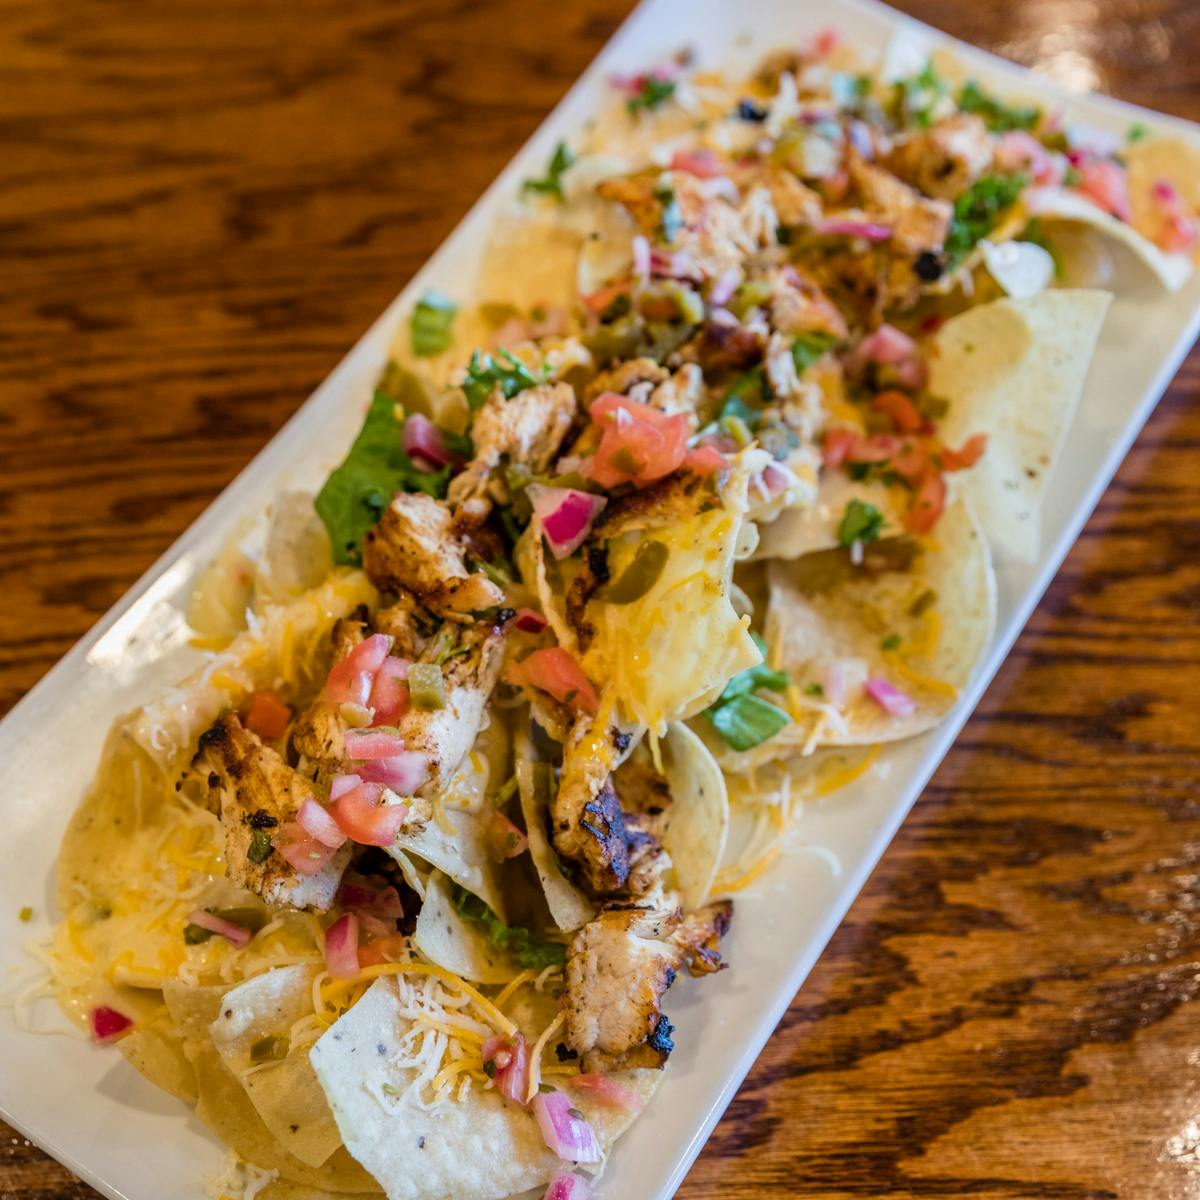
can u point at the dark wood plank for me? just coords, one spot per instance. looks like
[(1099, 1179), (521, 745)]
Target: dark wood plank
[(201, 207)]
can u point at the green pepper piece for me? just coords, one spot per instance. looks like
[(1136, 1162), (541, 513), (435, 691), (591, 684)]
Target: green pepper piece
[(193, 935), (271, 1048), (249, 918), (259, 849), (641, 574), (426, 687)]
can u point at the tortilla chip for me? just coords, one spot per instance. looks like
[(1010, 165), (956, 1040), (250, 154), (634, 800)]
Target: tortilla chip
[(1015, 370), (662, 655), (1051, 205), (698, 821), (460, 851), (170, 726), (844, 624), (226, 1109), (1156, 160), (156, 1051), (451, 941), (285, 1092), (479, 1147), (800, 531), (569, 907), (193, 1009)]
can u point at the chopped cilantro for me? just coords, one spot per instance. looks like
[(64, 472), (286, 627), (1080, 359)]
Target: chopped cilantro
[(978, 209), (390, 1090), (654, 91), (747, 721), (862, 522), (742, 718), (551, 183), (808, 347), (891, 642), (358, 491), (1137, 132), (528, 950), (997, 116), (502, 370), (916, 100), (752, 383), (432, 324)]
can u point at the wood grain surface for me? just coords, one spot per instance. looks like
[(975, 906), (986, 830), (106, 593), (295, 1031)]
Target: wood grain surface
[(204, 202)]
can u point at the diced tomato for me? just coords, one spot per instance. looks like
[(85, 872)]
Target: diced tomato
[(702, 163), (350, 680), (268, 716), (389, 693), (638, 444), (1106, 184), (365, 819), (598, 301), (927, 504), (1177, 234), (705, 460), (911, 461), (554, 671), (902, 411), (391, 948), (967, 456), (825, 43), (504, 839), (876, 449), (836, 446), (303, 852)]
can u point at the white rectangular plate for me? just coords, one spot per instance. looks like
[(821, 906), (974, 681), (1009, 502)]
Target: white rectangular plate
[(94, 1113)]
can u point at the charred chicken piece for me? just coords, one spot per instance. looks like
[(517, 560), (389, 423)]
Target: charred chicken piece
[(415, 548), (526, 431), (946, 159), (618, 968), (254, 792)]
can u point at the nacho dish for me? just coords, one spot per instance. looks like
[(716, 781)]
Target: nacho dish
[(670, 527)]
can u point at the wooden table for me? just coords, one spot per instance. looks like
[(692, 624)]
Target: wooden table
[(204, 202)]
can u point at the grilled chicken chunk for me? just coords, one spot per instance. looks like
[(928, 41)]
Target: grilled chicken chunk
[(588, 823), (715, 234), (319, 732), (469, 676), (917, 224), (254, 792), (414, 548), (798, 305), (643, 380), (945, 159), (618, 968), (526, 430)]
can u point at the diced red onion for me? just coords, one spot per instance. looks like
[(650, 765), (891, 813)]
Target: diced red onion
[(724, 287), (108, 1024), (423, 439), (567, 1135), (890, 698), (235, 935), (1164, 191), (403, 773), (641, 257), (607, 1091), (565, 515), (341, 784), (565, 1186), (511, 1058), (869, 231), (341, 947), (833, 683), (318, 823), (530, 620), (505, 840), (772, 482), (859, 134), (676, 264), (362, 745)]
